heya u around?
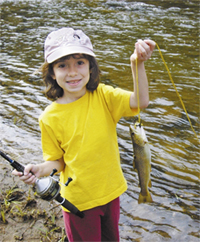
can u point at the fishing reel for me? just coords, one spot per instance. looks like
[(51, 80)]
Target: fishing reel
[(48, 188)]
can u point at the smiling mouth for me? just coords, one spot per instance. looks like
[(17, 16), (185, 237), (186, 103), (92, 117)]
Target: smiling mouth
[(73, 82)]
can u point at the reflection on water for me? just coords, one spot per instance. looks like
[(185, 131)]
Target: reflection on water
[(114, 27)]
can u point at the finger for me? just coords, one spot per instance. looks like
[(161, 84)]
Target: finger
[(17, 173), (25, 177), (29, 179), (151, 44), (28, 169), (133, 57), (145, 49), (145, 46), (141, 51)]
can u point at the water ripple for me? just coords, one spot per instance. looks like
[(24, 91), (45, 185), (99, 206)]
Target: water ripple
[(114, 26)]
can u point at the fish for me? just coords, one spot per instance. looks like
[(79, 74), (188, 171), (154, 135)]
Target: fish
[(141, 160)]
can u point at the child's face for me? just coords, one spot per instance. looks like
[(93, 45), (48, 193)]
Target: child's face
[(72, 74)]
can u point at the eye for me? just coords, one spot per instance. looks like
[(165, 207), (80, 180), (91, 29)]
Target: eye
[(62, 65), (80, 62)]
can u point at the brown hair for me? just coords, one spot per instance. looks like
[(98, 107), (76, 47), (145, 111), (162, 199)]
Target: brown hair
[(54, 91)]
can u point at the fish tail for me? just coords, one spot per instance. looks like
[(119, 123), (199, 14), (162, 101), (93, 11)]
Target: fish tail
[(144, 199)]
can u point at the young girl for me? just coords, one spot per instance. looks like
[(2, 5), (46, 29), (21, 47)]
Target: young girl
[(78, 132)]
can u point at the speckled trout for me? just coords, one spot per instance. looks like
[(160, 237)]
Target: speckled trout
[(142, 160)]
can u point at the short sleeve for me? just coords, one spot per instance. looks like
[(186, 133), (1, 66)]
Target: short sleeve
[(118, 101), (50, 145)]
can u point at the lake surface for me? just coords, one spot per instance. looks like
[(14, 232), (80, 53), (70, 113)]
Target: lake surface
[(114, 27)]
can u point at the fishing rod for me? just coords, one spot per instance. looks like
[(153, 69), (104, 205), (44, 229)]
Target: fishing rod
[(48, 188)]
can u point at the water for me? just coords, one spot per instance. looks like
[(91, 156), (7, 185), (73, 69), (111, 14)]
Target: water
[(114, 27)]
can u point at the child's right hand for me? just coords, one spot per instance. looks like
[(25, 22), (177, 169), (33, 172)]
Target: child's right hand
[(27, 176)]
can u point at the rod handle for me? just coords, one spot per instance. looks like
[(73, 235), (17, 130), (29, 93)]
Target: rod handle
[(18, 166), (13, 163), (66, 204)]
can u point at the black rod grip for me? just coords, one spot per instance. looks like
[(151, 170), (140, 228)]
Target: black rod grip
[(69, 206), (13, 163)]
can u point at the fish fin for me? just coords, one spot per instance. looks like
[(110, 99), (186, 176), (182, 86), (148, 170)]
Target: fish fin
[(144, 199), (134, 165), (149, 185)]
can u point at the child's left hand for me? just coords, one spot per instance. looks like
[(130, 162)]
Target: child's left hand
[(143, 50)]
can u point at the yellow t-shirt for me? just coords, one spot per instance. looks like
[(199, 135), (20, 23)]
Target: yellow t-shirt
[(84, 133)]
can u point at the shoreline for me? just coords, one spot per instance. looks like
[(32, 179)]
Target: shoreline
[(24, 216)]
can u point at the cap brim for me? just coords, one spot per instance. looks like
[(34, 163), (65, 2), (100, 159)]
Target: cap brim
[(69, 50)]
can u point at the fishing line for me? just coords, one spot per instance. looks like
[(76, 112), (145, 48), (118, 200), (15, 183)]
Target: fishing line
[(138, 98), (171, 79)]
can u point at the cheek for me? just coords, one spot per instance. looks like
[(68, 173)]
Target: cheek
[(85, 73), (88, 72), (88, 76), (57, 75)]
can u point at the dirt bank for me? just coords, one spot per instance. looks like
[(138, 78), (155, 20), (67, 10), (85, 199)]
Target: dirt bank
[(24, 216)]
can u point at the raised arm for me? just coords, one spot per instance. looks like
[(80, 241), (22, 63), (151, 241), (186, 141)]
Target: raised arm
[(143, 51)]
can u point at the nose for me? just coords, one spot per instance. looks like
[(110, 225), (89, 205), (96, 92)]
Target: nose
[(72, 72)]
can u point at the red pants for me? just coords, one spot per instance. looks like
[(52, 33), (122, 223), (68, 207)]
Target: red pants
[(99, 224)]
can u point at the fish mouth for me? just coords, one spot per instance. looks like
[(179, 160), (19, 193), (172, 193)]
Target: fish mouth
[(135, 125)]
